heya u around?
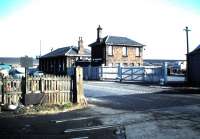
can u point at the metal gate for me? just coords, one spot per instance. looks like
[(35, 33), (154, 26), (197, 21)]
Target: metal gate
[(131, 73), (107, 72), (143, 73)]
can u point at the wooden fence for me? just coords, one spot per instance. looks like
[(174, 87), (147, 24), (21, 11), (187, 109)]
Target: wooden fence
[(10, 90), (1, 89), (91, 73), (46, 89), (49, 89)]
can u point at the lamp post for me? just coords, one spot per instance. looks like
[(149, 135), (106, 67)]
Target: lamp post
[(187, 41)]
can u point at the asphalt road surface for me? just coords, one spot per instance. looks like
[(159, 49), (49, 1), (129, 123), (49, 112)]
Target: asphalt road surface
[(116, 111), (132, 97)]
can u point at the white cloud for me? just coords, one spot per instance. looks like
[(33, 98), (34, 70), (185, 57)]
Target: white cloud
[(57, 23)]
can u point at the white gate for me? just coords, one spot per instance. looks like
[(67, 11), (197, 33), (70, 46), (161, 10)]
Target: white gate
[(131, 73), (107, 72), (143, 73)]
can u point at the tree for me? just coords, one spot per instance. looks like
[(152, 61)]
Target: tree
[(26, 61)]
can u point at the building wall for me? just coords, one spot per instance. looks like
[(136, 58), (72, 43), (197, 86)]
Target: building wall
[(56, 65), (98, 53), (117, 58), (194, 73)]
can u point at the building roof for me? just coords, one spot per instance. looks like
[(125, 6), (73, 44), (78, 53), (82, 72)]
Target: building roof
[(198, 47), (115, 40), (66, 51), (119, 41), (196, 50)]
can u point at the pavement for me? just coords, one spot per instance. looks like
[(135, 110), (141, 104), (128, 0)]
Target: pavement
[(117, 111)]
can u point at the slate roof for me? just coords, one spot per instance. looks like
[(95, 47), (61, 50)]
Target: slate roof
[(198, 47), (66, 51), (119, 41), (196, 50)]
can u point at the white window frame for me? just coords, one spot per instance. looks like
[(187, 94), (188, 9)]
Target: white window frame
[(137, 51), (110, 50), (124, 51)]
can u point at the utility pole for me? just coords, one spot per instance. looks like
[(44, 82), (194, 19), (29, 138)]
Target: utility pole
[(40, 47), (187, 60)]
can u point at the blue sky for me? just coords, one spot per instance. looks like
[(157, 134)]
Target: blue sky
[(190, 3), (193, 5), (8, 6), (158, 24)]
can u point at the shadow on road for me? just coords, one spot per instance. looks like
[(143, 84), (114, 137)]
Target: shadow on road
[(148, 101)]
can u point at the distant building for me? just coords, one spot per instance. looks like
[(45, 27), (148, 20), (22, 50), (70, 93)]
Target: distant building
[(115, 50), (194, 66), (57, 61)]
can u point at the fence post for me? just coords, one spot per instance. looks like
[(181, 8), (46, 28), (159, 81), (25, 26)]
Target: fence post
[(101, 72), (3, 90), (5, 87), (143, 74), (120, 73), (89, 72), (26, 81), (41, 85), (165, 72), (78, 92)]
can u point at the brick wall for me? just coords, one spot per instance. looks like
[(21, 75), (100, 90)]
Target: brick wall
[(117, 57)]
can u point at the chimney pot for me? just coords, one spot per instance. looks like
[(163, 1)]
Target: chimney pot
[(99, 32), (80, 46)]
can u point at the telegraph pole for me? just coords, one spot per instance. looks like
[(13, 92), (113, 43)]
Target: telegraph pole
[(40, 47), (187, 41)]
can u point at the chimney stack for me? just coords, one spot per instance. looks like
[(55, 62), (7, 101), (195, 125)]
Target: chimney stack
[(80, 46), (99, 32)]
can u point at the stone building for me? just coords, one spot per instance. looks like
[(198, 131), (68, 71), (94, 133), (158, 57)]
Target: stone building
[(57, 61), (115, 50)]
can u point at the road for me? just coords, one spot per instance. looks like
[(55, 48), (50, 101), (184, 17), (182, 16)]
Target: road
[(133, 97), (148, 111), (116, 111)]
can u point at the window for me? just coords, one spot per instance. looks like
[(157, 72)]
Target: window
[(124, 51), (110, 50), (125, 64), (137, 53)]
